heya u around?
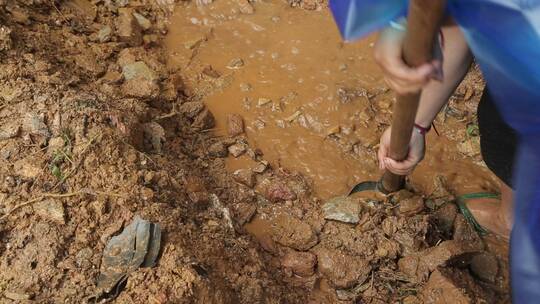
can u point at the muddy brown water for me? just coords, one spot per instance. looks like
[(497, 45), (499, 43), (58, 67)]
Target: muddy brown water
[(282, 69)]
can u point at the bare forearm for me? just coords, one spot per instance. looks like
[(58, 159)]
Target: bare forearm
[(457, 59)]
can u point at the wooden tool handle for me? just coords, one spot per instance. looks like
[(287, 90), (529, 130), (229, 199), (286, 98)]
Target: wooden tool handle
[(423, 22)]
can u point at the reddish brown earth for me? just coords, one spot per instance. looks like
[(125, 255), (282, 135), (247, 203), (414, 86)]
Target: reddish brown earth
[(97, 126)]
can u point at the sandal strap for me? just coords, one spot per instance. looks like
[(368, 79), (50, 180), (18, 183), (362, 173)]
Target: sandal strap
[(467, 214), (468, 196)]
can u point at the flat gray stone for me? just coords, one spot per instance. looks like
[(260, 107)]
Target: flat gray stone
[(342, 209)]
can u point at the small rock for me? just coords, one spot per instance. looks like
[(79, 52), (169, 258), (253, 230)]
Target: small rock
[(154, 136), (301, 263), (278, 191), (84, 8), (138, 69), (141, 88), (237, 150), (205, 120), (128, 29), (28, 168), (89, 63), (343, 209), (293, 117), (15, 296), (150, 39), (342, 270), (245, 177), (218, 149), (259, 124), (147, 193), (333, 130), (191, 109), (50, 209), (55, 144), (389, 225), (445, 216), (261, 167), (235, 63), (143, 22), (244, 212), (104, 34), (112, 77), (263, 101), (245, 87), (9, 130), (82, 258), (235, 124), (291, 232), (34, 124), (411, 206), (245, 7), (5, 38)]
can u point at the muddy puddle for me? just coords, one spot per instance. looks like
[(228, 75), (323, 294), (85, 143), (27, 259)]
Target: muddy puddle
[(310, 102)]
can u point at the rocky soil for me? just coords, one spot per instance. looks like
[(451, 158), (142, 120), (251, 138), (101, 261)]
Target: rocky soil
[(95, 128)]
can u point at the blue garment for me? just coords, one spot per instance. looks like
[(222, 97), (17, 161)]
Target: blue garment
[(504, 36)]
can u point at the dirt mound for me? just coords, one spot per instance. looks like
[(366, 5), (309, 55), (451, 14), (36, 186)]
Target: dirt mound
[(95, 128)]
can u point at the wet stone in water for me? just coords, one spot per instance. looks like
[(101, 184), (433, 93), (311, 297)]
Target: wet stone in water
[(218, 149), (263, 101), (237, 150), (245, 87), (245, 7), (261, 167), (235, 124), (343, 209), (236, 63)]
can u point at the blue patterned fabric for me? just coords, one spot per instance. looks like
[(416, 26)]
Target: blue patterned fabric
[(504, 36)]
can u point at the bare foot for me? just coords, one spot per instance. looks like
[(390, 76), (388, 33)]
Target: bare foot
[(489, 214)]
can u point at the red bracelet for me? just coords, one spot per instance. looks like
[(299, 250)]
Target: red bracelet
[(421, 129)]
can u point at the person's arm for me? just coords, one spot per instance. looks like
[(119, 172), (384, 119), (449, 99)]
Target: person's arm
[(457, 60), (435, 94)]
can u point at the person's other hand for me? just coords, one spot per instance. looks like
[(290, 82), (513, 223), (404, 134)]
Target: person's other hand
[(398, 75), (417, 147)]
